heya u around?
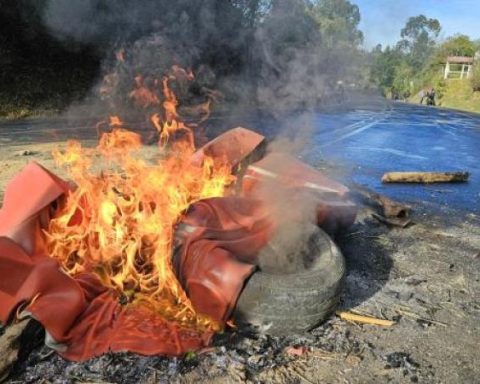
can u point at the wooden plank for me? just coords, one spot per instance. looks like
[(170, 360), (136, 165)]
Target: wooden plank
[(364, 319), (425, 177)]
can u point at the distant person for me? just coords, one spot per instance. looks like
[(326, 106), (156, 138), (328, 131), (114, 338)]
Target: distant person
[(431, 97), (422, 95)]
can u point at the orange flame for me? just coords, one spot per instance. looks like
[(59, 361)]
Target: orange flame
[(119, 223), (142, 95), (115, 121), (171, 124)]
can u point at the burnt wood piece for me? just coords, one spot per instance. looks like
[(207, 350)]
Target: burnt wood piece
[(389, 208), (389, 211), (392, 221), (425, 177)]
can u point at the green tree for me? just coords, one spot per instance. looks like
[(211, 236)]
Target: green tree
[(403, 79), (458, 45), (476, 44), (253, 10), (383, 66), (339, 44), (338, 22), (418, 39), (475, 79)]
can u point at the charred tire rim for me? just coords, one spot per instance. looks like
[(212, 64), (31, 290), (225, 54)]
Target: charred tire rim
[(297, 302)]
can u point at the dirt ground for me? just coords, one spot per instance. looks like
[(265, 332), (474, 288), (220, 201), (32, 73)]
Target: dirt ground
[(424, 277)]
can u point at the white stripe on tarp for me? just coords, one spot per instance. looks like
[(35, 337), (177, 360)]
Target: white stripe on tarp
[(307, 184)]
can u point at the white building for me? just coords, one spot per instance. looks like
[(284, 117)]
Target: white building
[(458, 67)]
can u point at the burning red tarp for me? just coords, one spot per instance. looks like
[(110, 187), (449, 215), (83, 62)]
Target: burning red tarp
[(147, 257), (82, 317), (84, 313)]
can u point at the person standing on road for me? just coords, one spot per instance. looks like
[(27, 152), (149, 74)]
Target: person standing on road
[(421, 94), (431, 97)]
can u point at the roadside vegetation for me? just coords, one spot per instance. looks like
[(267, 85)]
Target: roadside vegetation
[(454, 93), (416, 62), (38, 74), (269, 53), (255, 49)]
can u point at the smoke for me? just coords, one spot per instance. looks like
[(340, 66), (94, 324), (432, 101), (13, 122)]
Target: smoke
[(192, 27), (294, 211), (205, 36), (102, 22), (265, 54), (272, 58), (268, 56)]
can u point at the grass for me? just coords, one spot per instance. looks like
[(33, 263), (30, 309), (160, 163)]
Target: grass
[(40, 74), (33, 90), (456, 94), (14, 111)]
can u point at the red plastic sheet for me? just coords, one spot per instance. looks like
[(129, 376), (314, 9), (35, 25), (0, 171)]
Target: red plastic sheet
[(83, 319), (231, 147), (26, 196), (297, 184), (219, 239)]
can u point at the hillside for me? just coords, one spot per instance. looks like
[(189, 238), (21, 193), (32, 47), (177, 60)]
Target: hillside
[(456, 94)]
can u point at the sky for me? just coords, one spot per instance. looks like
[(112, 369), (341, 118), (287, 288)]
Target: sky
[(382, 20)]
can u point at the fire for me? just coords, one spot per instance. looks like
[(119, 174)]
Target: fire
[(115, 121), (142, 95), (119, 223), (171, 123)]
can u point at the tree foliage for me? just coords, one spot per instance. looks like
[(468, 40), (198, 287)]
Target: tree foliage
[(275, 44), (383, 66), (418, 39), (475, 79), (417, 60), (458, 45), (338, 22), (37, 72)]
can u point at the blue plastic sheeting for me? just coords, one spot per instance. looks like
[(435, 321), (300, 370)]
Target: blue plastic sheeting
[(404, 137)]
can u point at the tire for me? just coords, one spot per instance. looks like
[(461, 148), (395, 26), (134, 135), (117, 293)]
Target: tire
[(295, 302)]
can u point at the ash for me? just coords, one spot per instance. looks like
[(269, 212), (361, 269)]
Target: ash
[(242, 353)]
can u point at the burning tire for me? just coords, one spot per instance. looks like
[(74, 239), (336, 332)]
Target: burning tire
[(293, 291)]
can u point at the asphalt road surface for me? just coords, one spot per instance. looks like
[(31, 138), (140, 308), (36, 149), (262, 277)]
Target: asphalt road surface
[(406, 137), (367, 141)]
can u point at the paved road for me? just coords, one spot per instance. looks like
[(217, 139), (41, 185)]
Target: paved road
[(404, 137), (367, 140)]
